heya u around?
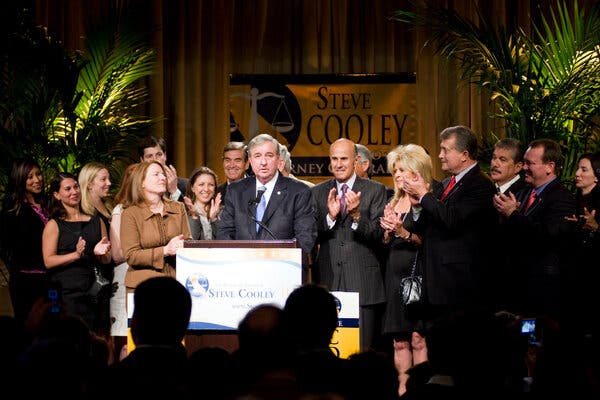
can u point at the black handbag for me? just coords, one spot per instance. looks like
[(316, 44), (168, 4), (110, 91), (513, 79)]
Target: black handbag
[(411, 286), (99, 285)]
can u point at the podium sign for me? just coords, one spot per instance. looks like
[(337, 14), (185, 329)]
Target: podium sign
[(225, 283), (346, 338)]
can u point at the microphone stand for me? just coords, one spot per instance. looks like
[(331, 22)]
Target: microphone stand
[(252, 204)]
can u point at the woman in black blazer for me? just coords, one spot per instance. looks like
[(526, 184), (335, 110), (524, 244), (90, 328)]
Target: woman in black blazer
[(21, 224)]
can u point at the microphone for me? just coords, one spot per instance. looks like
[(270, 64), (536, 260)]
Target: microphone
[(256, 200), (252, 203)]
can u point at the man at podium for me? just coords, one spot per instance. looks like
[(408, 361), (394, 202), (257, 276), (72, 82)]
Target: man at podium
[(268, 206)]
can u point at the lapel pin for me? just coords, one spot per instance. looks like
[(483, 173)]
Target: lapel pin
[(278, 193)]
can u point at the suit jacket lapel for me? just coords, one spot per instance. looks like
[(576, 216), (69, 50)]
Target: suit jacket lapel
[(440, 188), (459, 185), (536, 202), (278, 196), (249, 192), (539, 199)]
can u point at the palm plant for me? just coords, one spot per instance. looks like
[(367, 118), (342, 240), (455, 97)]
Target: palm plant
[(65, 109), (545, 86), (104, 122)]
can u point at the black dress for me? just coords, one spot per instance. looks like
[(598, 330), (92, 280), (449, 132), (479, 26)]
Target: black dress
[(76, 278), (397, 321), (583, 276), (21, 250), (103, 318)]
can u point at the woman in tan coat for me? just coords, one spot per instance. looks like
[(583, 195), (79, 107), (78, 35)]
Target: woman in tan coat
[(153, 227)]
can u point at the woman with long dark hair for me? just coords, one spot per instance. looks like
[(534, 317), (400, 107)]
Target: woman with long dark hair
[(73, 244), (22, 221), (582, 278), (202, 204)]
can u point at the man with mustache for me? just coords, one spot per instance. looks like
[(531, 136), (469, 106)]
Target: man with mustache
[(506, 166), (506, 173), (540, 235)]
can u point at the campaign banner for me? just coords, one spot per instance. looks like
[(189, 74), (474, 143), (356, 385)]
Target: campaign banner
[(226, 283), (309, 112), (346, 338)]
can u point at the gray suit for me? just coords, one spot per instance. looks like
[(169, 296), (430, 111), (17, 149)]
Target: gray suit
[(347, 259), (289, 213)]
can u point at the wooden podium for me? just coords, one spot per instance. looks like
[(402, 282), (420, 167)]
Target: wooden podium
[(212, 269)]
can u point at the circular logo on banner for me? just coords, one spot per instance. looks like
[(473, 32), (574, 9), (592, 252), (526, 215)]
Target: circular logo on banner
[(338, 304), (197, 285)]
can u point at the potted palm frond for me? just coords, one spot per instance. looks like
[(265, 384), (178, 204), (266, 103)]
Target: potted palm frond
[(543, 86), (66, 108)]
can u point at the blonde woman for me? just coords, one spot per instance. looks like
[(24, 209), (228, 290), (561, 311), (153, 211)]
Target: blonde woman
[(202, 204), (405, 330), (153, 227), (94, 182)]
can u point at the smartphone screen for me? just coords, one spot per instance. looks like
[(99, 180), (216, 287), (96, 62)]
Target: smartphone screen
[(529, 329), (54, 298)]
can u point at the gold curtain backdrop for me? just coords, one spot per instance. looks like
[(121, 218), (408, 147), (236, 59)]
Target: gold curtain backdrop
[(201, 42)]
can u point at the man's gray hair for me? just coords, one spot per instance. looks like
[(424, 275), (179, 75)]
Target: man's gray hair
[(236, 146), (285, 155), (261, 139), (365, 155)]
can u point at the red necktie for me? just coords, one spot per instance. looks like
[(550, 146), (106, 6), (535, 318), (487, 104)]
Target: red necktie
[(530, 200), (448, 188)]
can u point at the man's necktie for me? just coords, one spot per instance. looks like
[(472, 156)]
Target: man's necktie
[(343, 199), (448, 188), (530, 200), (262, 205)]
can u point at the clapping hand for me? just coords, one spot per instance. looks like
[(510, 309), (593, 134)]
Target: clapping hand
[(415, 187), (80, 247), (333, 204), (352, 201), (389, 219), (506, 204), (102, 247), (588, 220), (171, 178), (215, 207), (190, 207)]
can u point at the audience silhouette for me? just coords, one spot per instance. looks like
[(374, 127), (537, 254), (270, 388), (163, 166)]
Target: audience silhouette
[(310, 317), (285, 353), (158, 366)]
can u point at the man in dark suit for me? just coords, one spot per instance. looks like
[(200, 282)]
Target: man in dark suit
[(455, 221), (540, 234), (287, 203), (349, 234), (506, 166), (235, 164), (155, 149), (506, 172)]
